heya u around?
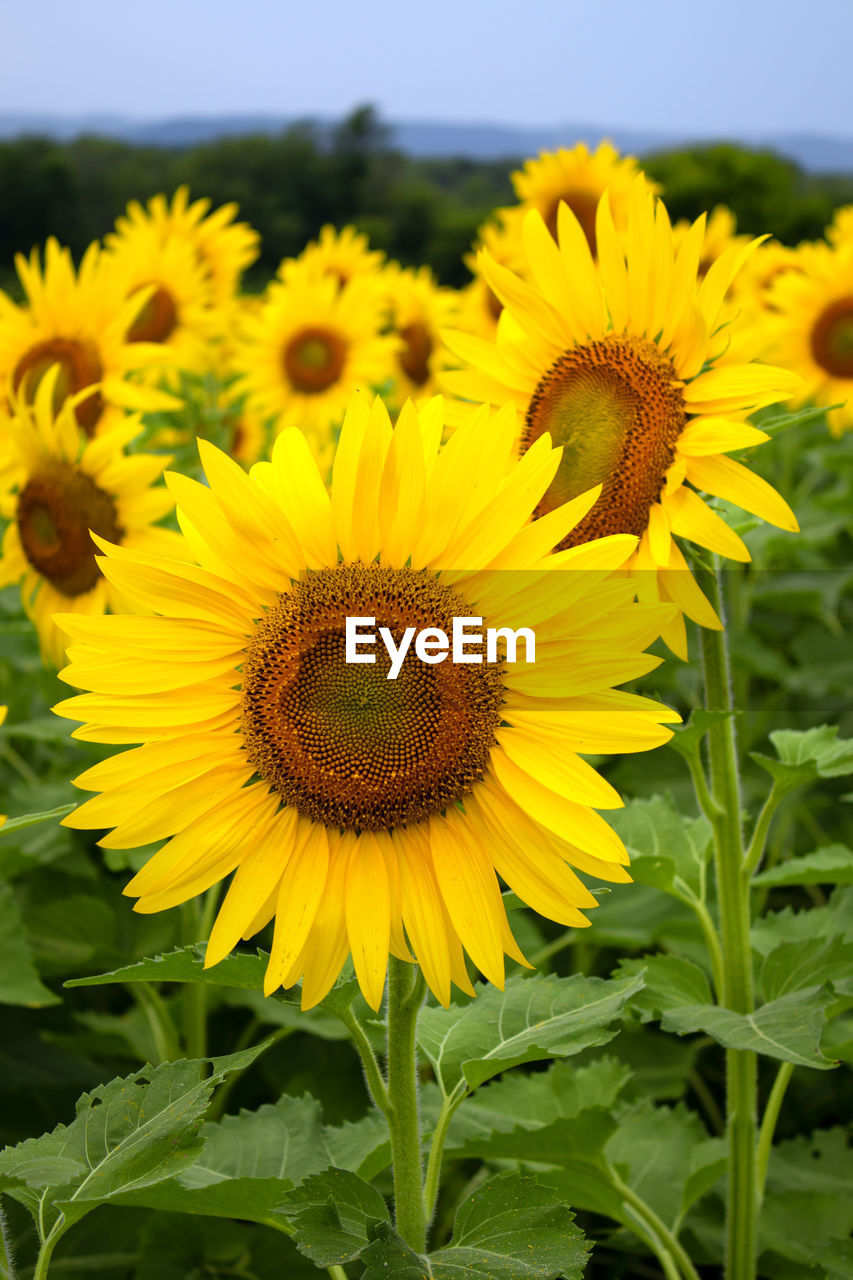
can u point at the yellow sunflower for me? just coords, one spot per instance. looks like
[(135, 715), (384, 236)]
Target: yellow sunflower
[(60, 486), (177, 313), (80, 324), (579, 178), (366, 813), (809, 327), (720, 235), (224, 248), (308, 347), (625, 363), (840, 230), (419, 310), (346, 255), (479, 307)]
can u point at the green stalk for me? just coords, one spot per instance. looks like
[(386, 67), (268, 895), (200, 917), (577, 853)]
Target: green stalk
[(8, 1257), (671, 1255), (737, 991), (405, 994), (768, 1122)]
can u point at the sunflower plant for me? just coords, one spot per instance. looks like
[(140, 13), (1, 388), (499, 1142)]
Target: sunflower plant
[(513, 967)]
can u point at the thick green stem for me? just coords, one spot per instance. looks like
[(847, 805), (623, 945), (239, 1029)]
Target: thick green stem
[(768, 1123), (336, 1272), (7, 1256), (45, 1254), (405, 993), (737, 991), (197, 923)]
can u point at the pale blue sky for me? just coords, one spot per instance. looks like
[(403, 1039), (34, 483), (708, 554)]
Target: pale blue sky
[(739, 67)]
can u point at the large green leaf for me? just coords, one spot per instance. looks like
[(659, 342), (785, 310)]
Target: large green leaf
[(332, 1216), (19, 979), (670, 981), (250, 1161), (834, 918), (808, 1184), (668, 851), (511, 1228), (533, 1018), (788, 1028), (833, 864), (127, 1134), (806, 963), (240, 969), (807, 754)]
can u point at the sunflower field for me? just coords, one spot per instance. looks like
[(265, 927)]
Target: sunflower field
[(426, 748)]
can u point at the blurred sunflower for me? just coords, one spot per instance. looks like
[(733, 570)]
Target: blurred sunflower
[(176, 314), (419, 310), (365, 813), (720, 235), (346, 255), (78, 323), (308, 347), (223, 248), (809, 328), (60, 486), (625, 364), (579, 178)]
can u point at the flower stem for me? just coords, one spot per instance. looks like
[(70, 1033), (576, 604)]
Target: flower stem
[(671, 1255), (737, 991), (405, 994), (7, 1256)]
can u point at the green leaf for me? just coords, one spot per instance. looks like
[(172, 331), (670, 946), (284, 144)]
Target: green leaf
[(30, 819), (687, 737), (668, 851), (807, 963), (127, 1134), (240, 969), (533, 1018), (808, 1183), (653, 1149), (788, 1028), (835, 917), (833, 864), (19, 979), (804, 755), (510, 1228), (331, 1215), (670, 981)]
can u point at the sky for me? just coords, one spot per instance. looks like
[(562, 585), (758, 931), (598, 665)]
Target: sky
[(741, 68)]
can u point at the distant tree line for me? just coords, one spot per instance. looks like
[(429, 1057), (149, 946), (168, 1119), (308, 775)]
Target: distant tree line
[(418, 211)]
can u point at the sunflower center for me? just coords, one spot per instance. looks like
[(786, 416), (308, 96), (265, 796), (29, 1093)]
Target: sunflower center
[(56, 510), (157, 320), (613, 407), (414, 358), (832, 339), (79, 367), (313, 360), (341, 742), (583, 205)]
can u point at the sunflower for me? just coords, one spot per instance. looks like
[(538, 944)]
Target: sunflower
[(625, 364), (345, 255), (579, 178), (419, 310), (809, 327), (60, 486), (308, 347), (366, 814), (223, 248), (176, 314), (80, 324), (501, 235)]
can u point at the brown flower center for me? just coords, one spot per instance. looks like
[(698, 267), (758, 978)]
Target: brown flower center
[(340, 741), (414, 357), (832, 339), (79, 367), (313, 360), (613, 407), (583, 205), (157, 320), (56, 509)]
